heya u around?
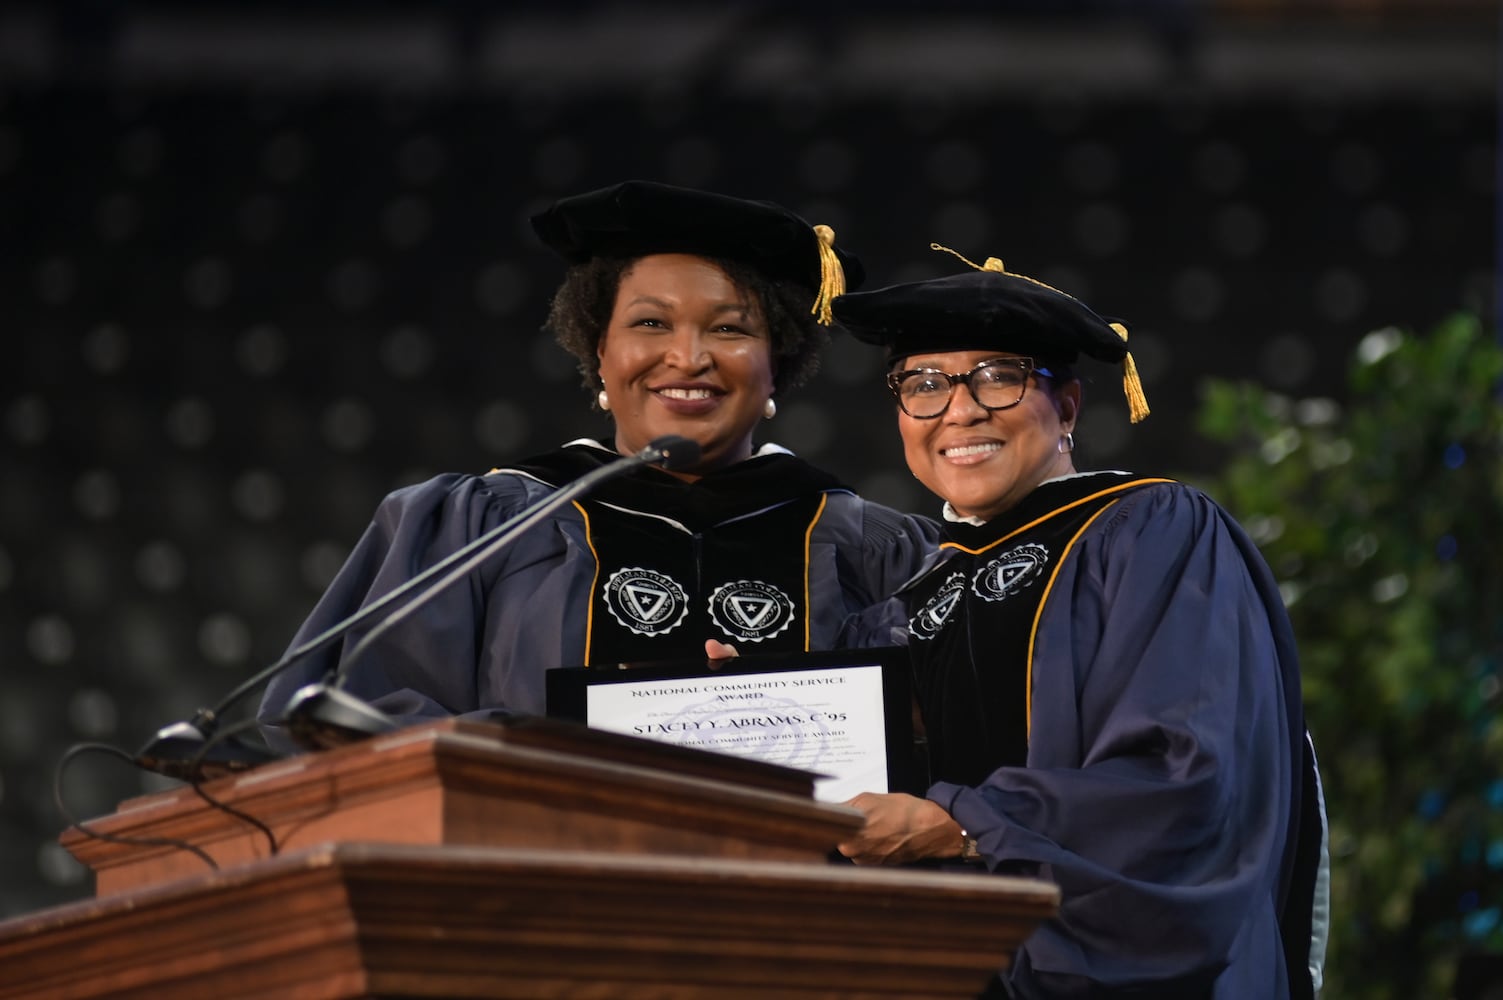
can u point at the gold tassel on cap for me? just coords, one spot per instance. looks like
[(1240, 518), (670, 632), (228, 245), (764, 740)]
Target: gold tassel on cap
[(1132, 387), (992, 263), (831, 275)]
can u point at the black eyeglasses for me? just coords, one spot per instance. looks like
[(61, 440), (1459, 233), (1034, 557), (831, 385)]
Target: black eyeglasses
[(925, 393)]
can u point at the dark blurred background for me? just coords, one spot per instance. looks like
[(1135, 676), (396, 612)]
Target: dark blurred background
[(262, 263)]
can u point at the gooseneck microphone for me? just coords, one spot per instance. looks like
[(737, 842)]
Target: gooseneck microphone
[(321, 715), (189, 750)]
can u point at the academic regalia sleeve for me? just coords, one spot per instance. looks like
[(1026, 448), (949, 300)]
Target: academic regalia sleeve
[(882, 624), (884, 550), (1160, 760), (424, 668), (895, 546)]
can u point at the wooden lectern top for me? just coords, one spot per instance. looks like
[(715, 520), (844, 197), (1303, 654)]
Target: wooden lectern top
[(534, 783)]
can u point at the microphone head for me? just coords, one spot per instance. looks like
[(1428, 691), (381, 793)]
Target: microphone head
[(183, 751), (672, 452), (322, 717)]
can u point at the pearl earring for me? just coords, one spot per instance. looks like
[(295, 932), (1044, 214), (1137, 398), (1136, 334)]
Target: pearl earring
[(602, 400), (770, 409)]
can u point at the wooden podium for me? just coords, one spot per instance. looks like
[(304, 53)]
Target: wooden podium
[(536, 859)]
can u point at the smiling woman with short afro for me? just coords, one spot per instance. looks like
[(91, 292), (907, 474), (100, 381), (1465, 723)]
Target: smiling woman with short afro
[(582, 309)]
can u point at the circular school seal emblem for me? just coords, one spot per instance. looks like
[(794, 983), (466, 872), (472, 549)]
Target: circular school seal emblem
[(1010, 572), (750, 610), (936, 611), (645, 602)]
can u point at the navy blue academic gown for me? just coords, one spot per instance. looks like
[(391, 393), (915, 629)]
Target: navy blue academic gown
[(1114, 705)]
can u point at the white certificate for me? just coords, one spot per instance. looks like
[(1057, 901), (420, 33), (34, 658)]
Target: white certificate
[(826, 721)]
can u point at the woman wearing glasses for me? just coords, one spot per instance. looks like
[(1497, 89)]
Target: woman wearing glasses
[(1106, 676)]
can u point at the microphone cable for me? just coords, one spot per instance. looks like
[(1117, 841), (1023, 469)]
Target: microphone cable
[(62, 807), (196, 783)]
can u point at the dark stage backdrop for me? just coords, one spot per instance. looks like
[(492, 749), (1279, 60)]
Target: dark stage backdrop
[(255, 272)]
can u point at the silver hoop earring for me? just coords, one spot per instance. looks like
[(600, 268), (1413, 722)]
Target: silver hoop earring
[(602, 400), (770, 409), (1066, 443)]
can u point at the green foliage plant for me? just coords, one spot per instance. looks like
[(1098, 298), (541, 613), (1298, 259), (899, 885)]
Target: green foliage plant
[(1382, 517)]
